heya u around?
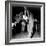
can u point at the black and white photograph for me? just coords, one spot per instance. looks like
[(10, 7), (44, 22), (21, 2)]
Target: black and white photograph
[(24, 22)]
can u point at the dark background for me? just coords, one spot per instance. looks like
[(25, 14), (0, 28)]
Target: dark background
[(16, 10), (34, 10)]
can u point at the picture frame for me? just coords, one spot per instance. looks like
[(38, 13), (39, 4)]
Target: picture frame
[(8, 21)]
